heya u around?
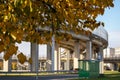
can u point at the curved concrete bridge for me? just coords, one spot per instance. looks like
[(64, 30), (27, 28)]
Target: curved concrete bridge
[(80, 47)]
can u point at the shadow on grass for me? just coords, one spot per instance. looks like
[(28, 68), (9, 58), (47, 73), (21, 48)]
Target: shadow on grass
[(103, 78), (112, 75), (109, 75)]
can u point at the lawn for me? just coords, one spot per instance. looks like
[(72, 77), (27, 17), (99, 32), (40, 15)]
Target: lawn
[(109, 75)]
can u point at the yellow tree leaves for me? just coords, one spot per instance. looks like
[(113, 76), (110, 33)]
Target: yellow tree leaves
[(22, 58), (1, 47), (12, 49), (21, 20), (30, 60), (17, 35)]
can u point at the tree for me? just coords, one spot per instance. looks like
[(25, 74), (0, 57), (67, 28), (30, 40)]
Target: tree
[(23, 20)]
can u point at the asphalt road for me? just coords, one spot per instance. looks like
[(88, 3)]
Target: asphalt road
[(42, 77)]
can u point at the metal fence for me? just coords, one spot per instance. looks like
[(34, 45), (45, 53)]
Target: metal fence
[(88, 68)]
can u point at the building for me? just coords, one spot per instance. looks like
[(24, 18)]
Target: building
[(117, 52), (109, 52), (112, 58)]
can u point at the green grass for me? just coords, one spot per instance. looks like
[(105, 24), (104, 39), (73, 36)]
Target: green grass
[(108, 75)]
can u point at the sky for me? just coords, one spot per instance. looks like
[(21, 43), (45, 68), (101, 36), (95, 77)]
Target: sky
[(24, 47), (111, 18)]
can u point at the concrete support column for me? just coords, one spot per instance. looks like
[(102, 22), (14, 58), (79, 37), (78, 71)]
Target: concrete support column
[(52, 53), (49, 62), (68, 60), (101, 60), (115, 66), (10, 64), (40, 66), (89, 50), (94, 56), (81, 55), (71, 61), (7, 65), (58, 57), (34, 56), (76, 55), (112, 66)]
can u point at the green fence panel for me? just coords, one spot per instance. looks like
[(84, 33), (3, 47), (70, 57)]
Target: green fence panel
[(88, 68)]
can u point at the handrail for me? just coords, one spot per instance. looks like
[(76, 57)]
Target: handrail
[(28, 72), (101, 32)]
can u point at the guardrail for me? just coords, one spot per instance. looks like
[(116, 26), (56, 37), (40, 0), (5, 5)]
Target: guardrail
[(112, 59), (28, 72), (101, 32)]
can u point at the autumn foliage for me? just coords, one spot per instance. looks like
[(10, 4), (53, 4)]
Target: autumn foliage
[(23, 19)]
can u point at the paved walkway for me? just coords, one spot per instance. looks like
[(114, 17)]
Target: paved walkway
[(41, 77)]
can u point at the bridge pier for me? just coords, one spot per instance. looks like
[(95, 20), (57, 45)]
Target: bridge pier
[(34, 56), (68, 60), (76, 54), (94, 53), (89, 50), (56, 57), (53, 57), (49, 58), (101, 65), (115, 66), (7, 65)]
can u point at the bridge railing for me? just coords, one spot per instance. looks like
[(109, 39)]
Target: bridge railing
[(114, 58), (28, 72), (101, 32)]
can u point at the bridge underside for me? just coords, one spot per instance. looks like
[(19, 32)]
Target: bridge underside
[(112, 60)]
